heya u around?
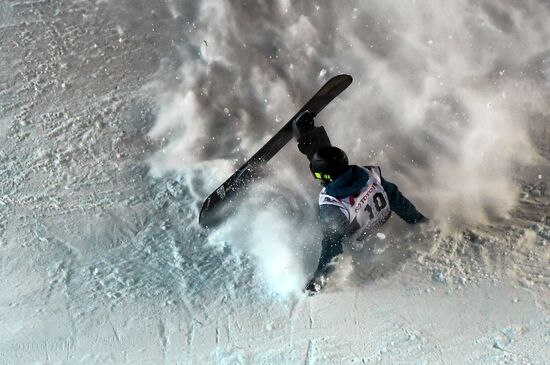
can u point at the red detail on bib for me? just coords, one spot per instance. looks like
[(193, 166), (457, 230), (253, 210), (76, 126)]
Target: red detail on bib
[(352, 200)]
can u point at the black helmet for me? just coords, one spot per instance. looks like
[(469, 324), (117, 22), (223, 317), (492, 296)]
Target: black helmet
[(328, 163)]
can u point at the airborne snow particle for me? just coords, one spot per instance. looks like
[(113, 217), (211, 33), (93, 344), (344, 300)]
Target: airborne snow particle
[(439, 276), (498, 344)]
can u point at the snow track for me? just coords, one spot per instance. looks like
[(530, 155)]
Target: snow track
[(101, 257)]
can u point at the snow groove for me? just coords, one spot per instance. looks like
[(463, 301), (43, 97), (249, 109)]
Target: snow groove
[(308, 357)]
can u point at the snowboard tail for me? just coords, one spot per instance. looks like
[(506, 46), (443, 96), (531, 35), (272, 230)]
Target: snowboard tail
[(217, 206)]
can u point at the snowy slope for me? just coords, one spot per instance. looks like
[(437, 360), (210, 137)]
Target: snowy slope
[(117, 118)]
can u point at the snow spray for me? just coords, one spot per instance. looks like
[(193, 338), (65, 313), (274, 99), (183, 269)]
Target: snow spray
[(444, 97)]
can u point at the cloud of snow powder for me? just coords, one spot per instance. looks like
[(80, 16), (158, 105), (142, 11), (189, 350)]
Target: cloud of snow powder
[(443, 95), (442, 98), (274, 231)]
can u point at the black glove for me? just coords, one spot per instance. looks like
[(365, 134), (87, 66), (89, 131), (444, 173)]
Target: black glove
[(320, 278), (314, 285), (303, 124)]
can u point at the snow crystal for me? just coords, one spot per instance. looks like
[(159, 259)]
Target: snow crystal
[(525, 283), (498, 344), (439, 276), (174, 188)]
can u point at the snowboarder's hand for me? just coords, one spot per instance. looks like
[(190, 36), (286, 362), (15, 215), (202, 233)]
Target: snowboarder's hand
[(320, 278), (303, 123), (313, 286)]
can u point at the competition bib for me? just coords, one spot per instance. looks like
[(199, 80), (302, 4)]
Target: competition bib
[(367, 211)]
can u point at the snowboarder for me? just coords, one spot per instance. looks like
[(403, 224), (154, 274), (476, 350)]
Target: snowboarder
[(354, 201)]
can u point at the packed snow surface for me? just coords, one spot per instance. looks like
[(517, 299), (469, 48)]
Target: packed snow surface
[(117, 119)]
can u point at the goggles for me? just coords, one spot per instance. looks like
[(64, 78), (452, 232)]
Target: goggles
[(321, 176)]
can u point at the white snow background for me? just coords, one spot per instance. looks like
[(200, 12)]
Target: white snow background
[(117, 119)]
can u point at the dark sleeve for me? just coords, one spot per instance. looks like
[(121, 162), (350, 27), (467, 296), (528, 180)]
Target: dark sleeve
[(401, 205), (335, 228), (311, 141)]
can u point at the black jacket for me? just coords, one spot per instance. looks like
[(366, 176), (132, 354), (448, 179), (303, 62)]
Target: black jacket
[(336, 226)]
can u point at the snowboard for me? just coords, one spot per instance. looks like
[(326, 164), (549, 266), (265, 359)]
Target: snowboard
[(219, 204)]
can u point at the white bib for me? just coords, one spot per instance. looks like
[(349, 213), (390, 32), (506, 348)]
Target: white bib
[(369, 210)]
